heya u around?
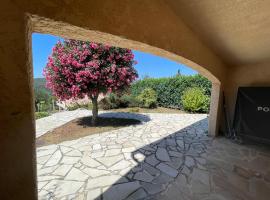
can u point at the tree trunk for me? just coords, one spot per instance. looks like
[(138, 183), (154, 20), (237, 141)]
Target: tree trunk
[(94, 110), (53, 108)]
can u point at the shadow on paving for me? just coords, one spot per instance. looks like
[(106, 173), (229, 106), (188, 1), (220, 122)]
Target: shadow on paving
[(131, 118), (139, 116), (189, 165), (114, 119), (160, 163), (82, 127)]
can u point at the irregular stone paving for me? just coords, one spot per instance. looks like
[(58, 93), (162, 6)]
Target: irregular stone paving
[(168, 156)]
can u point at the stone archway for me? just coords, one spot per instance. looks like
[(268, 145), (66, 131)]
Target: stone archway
[(44, 25), (155, 19)]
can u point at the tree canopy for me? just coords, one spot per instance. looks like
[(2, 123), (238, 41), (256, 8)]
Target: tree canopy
[(76, 68)]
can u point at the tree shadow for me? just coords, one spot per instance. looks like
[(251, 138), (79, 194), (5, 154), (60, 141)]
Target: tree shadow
[(160, 162), (139, 116), (114, 119)]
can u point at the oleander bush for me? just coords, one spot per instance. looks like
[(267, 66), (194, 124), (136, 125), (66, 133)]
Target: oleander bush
[(76, 69)]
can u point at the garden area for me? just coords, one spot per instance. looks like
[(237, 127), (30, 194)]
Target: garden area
[(97, 121), (173, 94), (101, 78), (178, 94)]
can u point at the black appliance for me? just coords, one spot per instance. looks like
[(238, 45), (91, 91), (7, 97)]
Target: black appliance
[(252, 113)]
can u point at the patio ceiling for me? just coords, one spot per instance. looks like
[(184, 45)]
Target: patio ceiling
[(238, 31)]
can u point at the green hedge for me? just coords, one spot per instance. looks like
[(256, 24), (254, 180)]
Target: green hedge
[(170, 90)]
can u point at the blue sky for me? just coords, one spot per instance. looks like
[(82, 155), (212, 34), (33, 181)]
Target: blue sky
[(148, 64)]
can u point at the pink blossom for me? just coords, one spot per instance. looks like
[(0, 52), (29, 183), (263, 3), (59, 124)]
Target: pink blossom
[(77, 68), (94, 45)]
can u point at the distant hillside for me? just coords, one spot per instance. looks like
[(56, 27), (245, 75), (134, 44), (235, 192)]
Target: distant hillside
[(39, 85)]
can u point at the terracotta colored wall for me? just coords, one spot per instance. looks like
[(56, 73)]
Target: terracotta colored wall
[(148, 22)]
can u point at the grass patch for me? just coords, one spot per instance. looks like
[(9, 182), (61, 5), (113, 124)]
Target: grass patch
[(81, 127), (39, 115)]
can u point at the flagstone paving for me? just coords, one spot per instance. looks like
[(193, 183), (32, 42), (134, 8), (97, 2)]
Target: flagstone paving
[(167, 156)]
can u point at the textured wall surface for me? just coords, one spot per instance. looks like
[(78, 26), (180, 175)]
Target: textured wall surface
[(237, 30), (143, 25), (153, 26), (257, 75)]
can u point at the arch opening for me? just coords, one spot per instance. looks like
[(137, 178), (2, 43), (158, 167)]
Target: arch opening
[(47, 26)]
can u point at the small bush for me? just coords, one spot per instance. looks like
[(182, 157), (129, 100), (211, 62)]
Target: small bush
[(194, 100), (129, 101), (124, 101), (105, 104), (77, 106), (148, 98), (73, 107), (90, 106), (39, 115), (112, 101)]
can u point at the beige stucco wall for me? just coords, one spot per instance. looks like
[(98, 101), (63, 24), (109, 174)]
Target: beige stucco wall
[(148, 25), (149, 22), (246, 75), (17, 138), (152, 26)]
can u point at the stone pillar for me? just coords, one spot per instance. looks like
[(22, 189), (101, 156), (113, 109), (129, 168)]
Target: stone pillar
[(215, 106), (17, 131)]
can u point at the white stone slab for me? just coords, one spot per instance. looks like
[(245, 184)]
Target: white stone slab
[(76, 175)]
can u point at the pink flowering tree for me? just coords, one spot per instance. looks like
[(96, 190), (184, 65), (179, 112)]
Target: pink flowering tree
[(77, 68)]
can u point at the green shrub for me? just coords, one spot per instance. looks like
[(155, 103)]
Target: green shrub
[(73, 107), (123, 101), (39, 115), (194, 100), (129, 101), (90, 106), (77, 106), (104, 104), (148, 98), (170, 90), (111, 101)]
